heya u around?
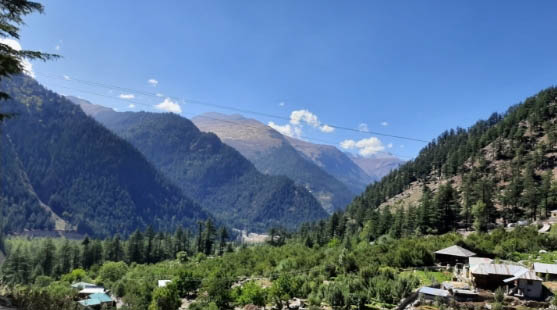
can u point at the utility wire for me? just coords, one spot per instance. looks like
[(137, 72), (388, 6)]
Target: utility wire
[(133, 101), (224, 107)]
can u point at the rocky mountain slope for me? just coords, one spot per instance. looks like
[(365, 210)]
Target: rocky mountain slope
[(500, 170), (214, 174), (59, 165), (273, 154), (378, 165), (335, 163)]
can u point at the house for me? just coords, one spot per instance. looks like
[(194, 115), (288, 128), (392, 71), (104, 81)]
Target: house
[(492, 276), (526, 285), (434, 293), (518, 280), (546, 271), (453, 255), (163, 283), (84, 293), (97, 301)]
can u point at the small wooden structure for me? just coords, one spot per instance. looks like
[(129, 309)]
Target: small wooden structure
[(453, 255)]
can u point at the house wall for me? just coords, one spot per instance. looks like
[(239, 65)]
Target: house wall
[(531, 290), (489, 282)]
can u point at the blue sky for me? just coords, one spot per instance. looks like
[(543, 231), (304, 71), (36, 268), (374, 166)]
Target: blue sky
[(407, 68)]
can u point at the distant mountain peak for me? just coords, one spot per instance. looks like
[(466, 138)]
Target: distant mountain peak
[(88, 107)]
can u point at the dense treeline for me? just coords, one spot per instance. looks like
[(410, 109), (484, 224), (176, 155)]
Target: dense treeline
[(56, 157), (500, 168), (31, 259), (343, 271), (213, 173)]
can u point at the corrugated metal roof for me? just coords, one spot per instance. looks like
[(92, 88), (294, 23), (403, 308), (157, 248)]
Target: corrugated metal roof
[(101, 296), (82, 285), (524, 275), (89, 302), (434, 291), (545, 268), (473, 261), (497, 269), (456, 250), (92, 290)]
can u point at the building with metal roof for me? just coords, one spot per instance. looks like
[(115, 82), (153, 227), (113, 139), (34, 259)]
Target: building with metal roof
[(433, 293), (546, 271), (82, 285), (453, 255), (96, 301), (519, 280)]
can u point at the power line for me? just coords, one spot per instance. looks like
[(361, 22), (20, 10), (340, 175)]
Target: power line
[(224, 107), (203, 116)]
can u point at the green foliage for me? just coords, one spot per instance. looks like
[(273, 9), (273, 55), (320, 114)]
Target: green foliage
[(165, 298), (11, 60), (250, 293)]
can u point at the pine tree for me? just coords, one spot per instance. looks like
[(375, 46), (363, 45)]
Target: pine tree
[(530, 197), (136, 250)]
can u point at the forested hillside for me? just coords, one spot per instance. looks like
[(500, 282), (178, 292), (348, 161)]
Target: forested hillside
[(498, 171), (57, 159), (272, 154), (211, 172)]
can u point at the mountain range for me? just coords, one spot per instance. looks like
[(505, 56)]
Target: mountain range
[(332, 176), (212, 173)]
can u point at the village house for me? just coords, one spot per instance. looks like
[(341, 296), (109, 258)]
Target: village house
[(526, 285), (546, 271), (92, 296), (453, 255), (97, 301), (518, 280)]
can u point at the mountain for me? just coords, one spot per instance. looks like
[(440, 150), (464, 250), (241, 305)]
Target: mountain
[(335, 163), (63, 169), (499, 170), (378, 165), (214, 174), (272, 153)]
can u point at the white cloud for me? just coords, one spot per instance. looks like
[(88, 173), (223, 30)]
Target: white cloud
[(281, 104), (67, 77), (390, 145), (153, 82), (363, 127), (303, 116), (27, 66), (127, 96), (348, 144), (131, 106), (298, 119), (160, 95), (57, 47), (169, 106), (287, 129), (384, 124), (326, 128), (366, 147)]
